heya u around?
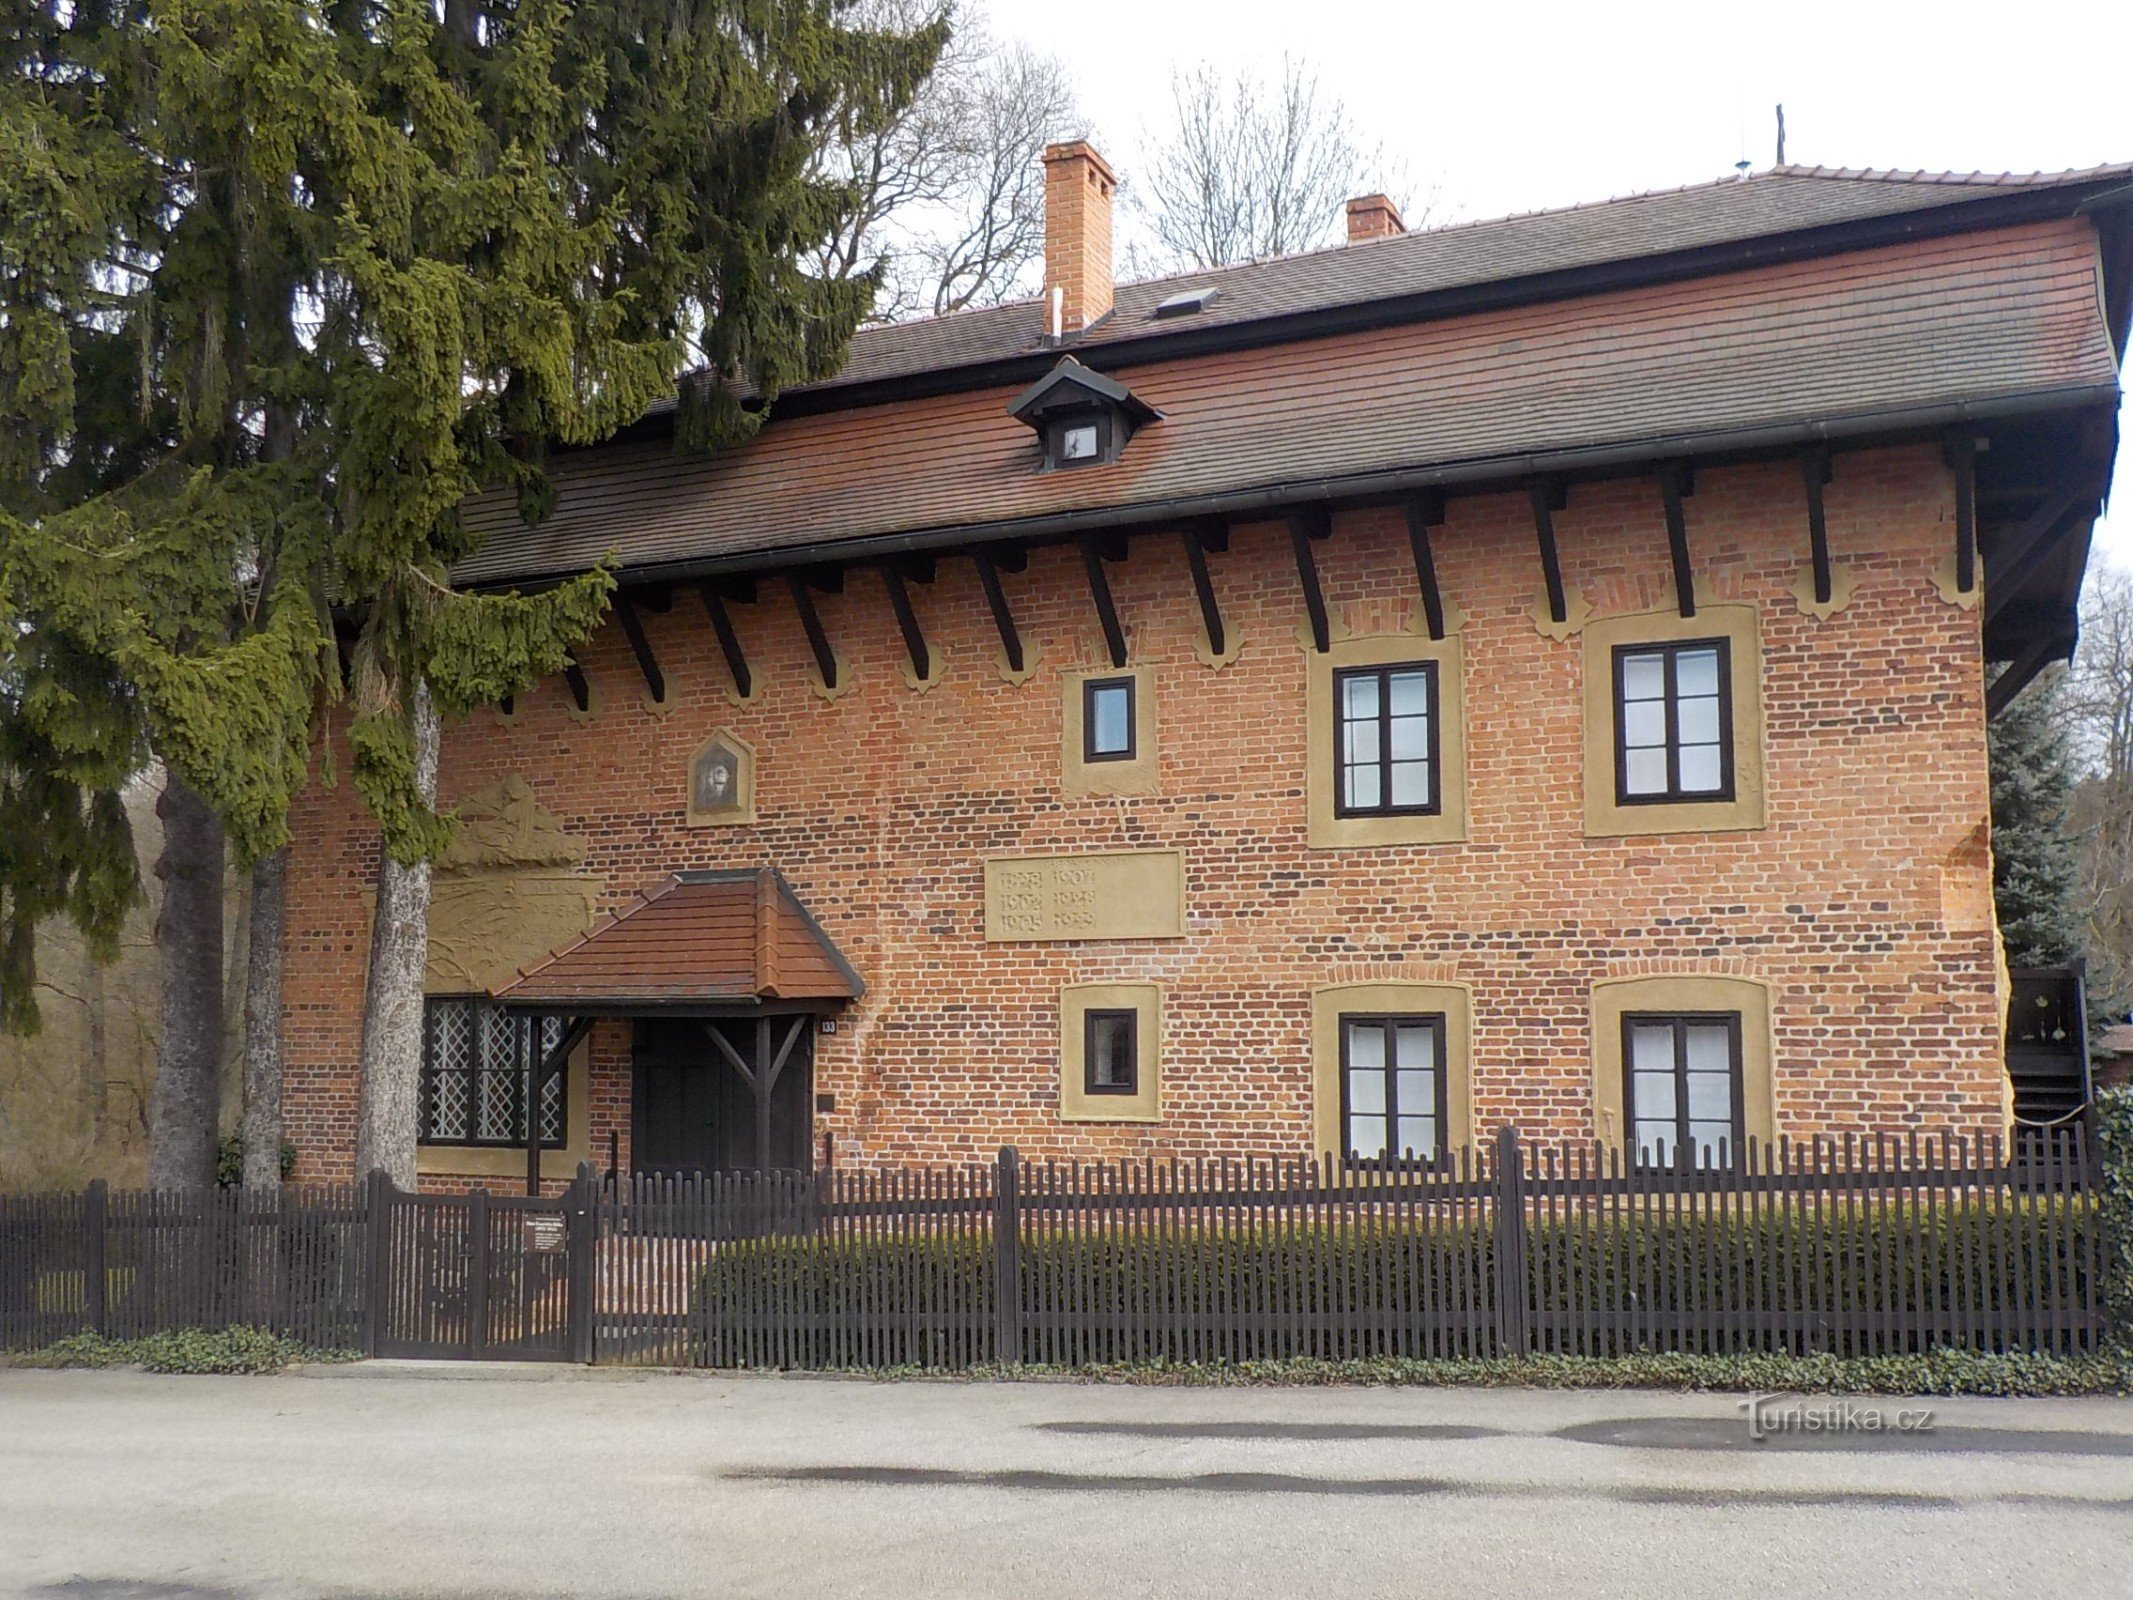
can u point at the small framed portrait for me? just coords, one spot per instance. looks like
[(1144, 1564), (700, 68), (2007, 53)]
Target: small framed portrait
[(722, 781)]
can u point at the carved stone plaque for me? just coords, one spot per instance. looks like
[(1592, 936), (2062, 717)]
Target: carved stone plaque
[(1116, 894)]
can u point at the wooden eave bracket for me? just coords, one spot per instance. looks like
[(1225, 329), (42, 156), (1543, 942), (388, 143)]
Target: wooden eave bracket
[(1960, 450), (729, 643), (2037, 532), (1093, 556), (1306, 527), (892, 578), (990, 562), (1550, 495), (1424, 512), (574, 675), (801, 588), (1675, 483), (1198, 539), (1816, 473), (655, 681)]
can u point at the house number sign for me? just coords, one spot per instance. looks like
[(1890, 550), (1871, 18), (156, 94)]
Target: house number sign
[(1120, 894)]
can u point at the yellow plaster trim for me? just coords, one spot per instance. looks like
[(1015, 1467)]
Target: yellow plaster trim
[(1329, 832), (1097, 894), (1577, 611), (695, 816), (1739, 626), (595, 702), (914, 682), (1454, 1000), (1944, 583), (1138, 776), (1076, 1001), (1612, 998), (1843, 586), (1203, 650), (1032, 659), (823, 691)]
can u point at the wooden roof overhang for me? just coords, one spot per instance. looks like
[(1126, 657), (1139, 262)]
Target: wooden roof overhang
[(704, 944), (2032, 459)]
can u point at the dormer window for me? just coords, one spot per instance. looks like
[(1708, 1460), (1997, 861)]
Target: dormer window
[(1081, 418)]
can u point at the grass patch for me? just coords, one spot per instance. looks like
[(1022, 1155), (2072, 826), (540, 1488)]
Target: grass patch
[(1939, 1372), (240, 1351)]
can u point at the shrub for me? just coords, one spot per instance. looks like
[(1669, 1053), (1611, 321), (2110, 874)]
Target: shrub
[(1844, 1276), (247, 1351), (2114, 1130), (1935, 1372)]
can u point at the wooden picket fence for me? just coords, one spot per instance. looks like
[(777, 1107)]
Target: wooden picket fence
[(130, 1263), (1854, 1247)]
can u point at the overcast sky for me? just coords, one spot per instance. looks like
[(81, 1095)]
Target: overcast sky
[(1507, 107)]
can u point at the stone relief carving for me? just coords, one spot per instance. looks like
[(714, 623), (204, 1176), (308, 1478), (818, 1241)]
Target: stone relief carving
[(507, 892)]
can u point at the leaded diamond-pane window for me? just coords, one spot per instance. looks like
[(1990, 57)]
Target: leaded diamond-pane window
[(475, 1061)]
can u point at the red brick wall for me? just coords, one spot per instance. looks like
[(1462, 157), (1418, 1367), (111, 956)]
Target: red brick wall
[(880, 805)]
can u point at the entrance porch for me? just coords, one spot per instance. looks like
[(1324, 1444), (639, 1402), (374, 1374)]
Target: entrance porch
[(723, 979)]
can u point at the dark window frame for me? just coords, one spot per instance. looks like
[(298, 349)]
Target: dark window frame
[(1090, 687), (1342, 676), (513, 1076), (1090, 1019), (1684, 1157), (1391, 1021), (1669, 651), (1055, 432)]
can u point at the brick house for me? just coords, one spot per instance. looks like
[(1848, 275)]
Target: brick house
[(1527, 672)]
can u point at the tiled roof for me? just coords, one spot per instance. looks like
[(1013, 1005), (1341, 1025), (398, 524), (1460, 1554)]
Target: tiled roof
[(1782, 200), (700, 938), (1965, 320)]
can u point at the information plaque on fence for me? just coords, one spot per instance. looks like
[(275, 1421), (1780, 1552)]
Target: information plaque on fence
[(1113, 894)]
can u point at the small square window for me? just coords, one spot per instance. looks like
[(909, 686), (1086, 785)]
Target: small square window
[(1673, 723), (1110, 1052), (1107, 720), (1078, 442)]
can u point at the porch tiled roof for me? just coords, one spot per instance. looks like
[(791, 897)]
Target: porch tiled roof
[(700, 938)]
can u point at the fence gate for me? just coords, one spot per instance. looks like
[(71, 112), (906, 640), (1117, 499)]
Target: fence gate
[(481, 1277)]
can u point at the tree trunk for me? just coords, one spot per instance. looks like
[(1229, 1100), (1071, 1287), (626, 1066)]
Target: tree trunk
[(392, 1005), (185, 1106), (262, 1024)]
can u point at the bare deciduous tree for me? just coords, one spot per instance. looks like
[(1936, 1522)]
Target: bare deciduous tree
[(2100, 698), (951, 189), (1249, 169)]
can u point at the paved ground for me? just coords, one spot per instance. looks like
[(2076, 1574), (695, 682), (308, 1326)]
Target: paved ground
[(117, 1486)]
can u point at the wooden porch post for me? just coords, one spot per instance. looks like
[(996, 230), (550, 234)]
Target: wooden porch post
[(764, 1080)]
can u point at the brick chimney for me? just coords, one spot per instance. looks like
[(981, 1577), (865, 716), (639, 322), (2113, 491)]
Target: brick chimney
[(1078, 184), (1373, 216)]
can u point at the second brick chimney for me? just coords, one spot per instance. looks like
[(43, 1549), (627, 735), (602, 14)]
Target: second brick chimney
[(1078, 184), (1373, 216)]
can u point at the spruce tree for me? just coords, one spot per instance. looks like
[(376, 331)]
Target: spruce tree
[(286, 280), (2035, 866)]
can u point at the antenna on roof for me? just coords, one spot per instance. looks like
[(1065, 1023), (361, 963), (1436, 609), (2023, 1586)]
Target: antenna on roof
[(1781, 133)]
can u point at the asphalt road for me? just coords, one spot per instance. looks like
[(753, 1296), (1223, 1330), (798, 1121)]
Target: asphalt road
[(118, 1486)]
